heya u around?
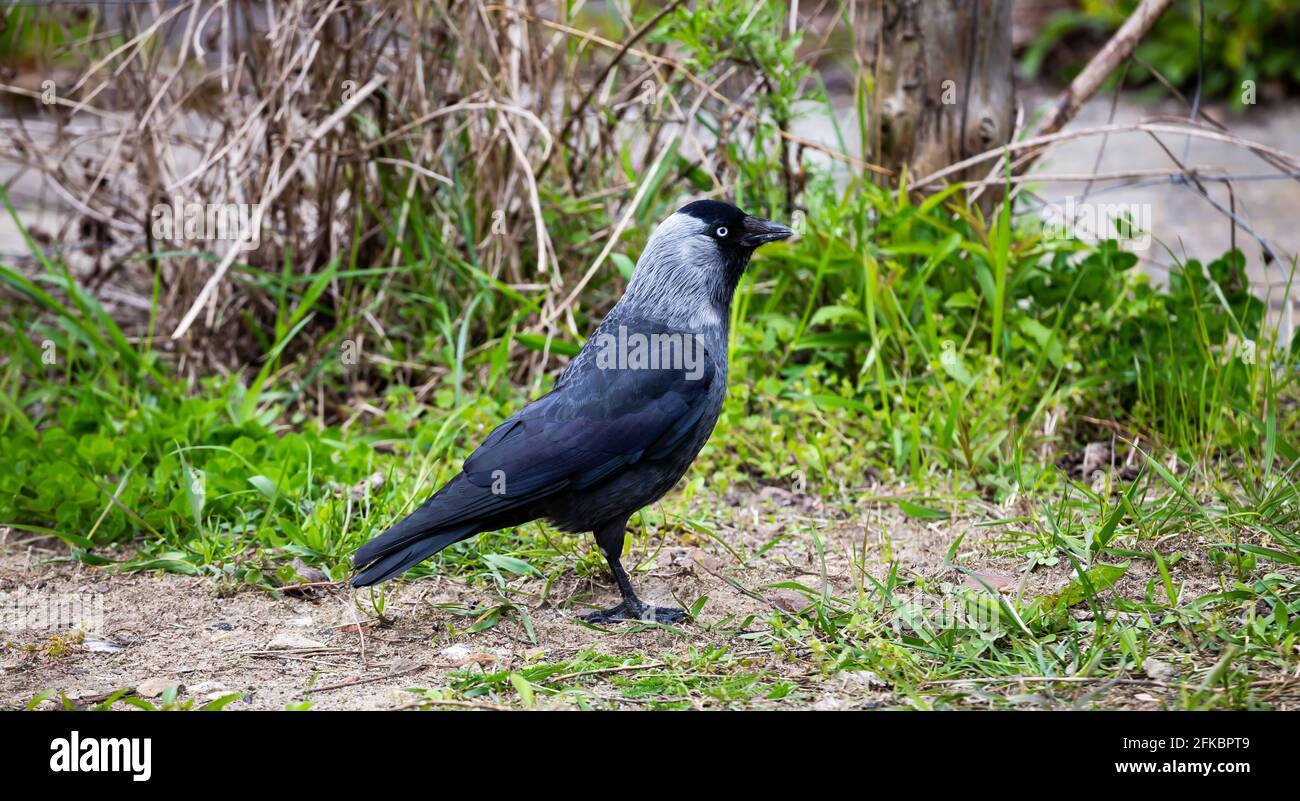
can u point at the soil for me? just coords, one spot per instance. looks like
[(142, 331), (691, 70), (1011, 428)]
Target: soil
[(163, 629)]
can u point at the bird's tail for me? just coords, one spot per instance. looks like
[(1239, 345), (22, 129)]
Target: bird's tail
[(395, 552)]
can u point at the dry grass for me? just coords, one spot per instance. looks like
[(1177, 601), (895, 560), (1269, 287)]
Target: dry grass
[(351, 124)]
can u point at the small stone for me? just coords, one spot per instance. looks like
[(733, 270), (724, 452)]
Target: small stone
[(456, 654), (373, 484), (205, 687), (815, 583), (308, 574), (1157, 670), (706, 562), (153, 688), (864, 679), (979, 578), (791, 601), (287, 641)]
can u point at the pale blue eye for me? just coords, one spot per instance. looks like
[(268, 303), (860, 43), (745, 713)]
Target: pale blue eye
[(721, 232)]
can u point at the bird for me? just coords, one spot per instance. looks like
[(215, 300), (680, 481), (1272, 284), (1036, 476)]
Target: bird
[(623, 422)]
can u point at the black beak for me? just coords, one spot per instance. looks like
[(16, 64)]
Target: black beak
[(760, 232)]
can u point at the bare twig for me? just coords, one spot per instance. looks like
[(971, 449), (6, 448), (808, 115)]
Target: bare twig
[(1038, 141), (1086, 83)]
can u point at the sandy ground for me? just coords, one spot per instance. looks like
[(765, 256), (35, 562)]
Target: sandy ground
[(178, 629), (164, 629)]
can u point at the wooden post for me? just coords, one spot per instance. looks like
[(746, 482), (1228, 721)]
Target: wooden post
[(943, 87)]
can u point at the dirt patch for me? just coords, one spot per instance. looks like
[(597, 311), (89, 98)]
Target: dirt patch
[(164, 629)]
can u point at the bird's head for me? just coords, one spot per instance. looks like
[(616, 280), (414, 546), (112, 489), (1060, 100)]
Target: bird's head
[(698, 255), (732, 230)]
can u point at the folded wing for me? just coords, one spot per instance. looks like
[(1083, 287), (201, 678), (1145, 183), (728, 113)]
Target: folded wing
[(595, 426), (588, 430)]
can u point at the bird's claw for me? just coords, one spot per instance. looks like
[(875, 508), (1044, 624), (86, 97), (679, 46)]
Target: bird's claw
[(641, 612)]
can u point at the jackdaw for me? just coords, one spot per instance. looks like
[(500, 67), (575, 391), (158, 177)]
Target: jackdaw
[(625, 419)]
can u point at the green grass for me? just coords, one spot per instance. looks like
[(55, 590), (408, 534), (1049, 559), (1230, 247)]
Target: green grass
[(1232, 647), (863, 350)]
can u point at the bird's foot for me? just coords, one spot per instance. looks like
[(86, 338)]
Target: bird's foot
[(636, 610)]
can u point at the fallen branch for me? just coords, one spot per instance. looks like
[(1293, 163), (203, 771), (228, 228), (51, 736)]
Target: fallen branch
[(453, 702), (392, 674), (1293, 162)]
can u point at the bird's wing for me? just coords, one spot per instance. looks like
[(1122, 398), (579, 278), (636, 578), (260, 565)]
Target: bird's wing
[(595, 424), (598, 423)]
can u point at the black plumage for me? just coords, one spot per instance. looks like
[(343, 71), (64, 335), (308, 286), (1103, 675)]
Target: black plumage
[(616, 432)]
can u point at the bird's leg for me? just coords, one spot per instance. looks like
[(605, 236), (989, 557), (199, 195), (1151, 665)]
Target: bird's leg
[(610, 539)]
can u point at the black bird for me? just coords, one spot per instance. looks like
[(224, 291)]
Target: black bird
[(622, 424)]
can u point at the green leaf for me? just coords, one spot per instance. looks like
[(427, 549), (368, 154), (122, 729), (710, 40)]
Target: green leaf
[(924, 513), (510, 564), (195, 493), (954, 366), (829, 314), (1258, 550), (827, 401), (263, 485), (37, 699), (524, 689), (1051, 612), (1107, 529), (216, 704), (75, 540), (624, 264), (833, 339), (558, 346), (1044, 337), (170, 561)]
